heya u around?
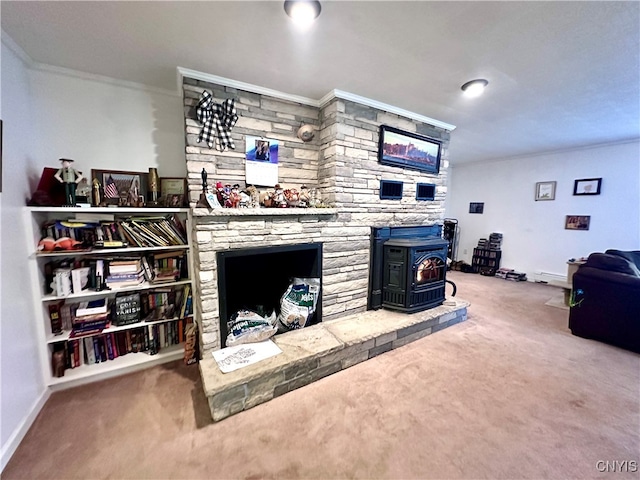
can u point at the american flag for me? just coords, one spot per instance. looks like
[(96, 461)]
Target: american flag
[(110, 189)]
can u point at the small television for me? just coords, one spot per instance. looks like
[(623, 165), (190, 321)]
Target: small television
[(408, 150)]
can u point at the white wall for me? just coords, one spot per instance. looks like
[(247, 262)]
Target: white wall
[(22, 387), (534, 236), (106, 125)]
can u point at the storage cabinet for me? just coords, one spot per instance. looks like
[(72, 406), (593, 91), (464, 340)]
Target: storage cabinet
[(153, 283), (485, 260)]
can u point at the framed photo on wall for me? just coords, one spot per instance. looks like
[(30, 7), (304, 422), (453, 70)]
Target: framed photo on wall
[(476, 207), (173, 191), (587, 186), (545, 191), (577, 222)]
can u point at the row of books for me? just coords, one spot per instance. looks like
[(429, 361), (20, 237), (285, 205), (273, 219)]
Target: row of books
[(133, 232), (102, 348), (91, 318), (64, 277)]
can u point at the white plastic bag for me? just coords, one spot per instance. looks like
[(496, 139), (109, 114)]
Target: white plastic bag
[(247, 326), (298, 303)]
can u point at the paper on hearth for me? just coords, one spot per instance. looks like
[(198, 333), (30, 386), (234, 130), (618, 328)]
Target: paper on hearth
[(233, 358)]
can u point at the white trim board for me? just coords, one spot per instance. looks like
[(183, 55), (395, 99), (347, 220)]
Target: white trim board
[(10, 447), (227, 82)]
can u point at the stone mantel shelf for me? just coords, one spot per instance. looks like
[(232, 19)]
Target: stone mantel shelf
[(262, 212)]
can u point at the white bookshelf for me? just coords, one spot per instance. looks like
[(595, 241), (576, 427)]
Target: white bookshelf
[(35, 217)]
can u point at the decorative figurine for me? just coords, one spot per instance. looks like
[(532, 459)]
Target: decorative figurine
[(313, 198), (292, 197), (153, 187), (304, 196), (234, 196), (278, 197), (96, 198), (222, 198), (253, 192), (70, 177), (203, 174)]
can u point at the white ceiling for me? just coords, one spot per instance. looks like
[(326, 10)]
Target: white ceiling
[(562, 74)]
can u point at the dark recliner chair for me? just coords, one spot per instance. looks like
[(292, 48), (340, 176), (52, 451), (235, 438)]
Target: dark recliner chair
[(605, 302)]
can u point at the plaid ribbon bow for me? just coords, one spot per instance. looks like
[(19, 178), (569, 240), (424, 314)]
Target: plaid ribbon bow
[(217, 120)]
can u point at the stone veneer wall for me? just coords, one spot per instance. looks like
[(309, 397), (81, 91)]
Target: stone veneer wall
[(342, 161)]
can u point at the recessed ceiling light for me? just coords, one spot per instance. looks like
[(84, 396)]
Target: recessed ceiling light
[(302, 12), (474, 88)]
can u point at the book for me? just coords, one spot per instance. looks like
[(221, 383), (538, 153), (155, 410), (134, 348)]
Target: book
[(62, 281), (127, 309), (185, 296), (148, 271), (92, 307), (96, 349), (55, 318), (80, 279), (90, 352)]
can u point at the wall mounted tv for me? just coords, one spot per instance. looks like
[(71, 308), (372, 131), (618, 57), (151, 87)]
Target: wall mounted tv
[(408, 150)]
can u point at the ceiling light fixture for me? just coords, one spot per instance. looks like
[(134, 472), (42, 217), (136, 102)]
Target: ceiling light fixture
[(302, 12), (474, 88)]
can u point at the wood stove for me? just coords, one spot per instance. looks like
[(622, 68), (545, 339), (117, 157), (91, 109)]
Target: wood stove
[(414, 274)]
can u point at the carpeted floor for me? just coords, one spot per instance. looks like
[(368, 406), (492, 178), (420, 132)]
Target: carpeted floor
[(510, 393)]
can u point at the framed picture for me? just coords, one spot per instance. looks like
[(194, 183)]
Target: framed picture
[(545, 191), (125, 189), (476, 207), (587, 186), (577, 222), (408, 150), (173, 191)]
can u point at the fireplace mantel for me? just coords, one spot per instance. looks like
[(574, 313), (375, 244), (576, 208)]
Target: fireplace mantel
[(263, 212)]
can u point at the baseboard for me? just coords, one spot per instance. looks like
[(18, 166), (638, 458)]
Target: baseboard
[(546, 277), (10, 447)]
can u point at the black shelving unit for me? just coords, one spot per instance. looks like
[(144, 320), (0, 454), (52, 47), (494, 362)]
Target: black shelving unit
[(450, 233), (486, 261)]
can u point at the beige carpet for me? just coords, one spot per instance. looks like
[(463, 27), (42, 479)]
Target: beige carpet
[(510, 393)]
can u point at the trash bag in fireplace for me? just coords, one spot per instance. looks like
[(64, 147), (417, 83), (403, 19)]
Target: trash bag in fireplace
[(246, 326), (298, 303)]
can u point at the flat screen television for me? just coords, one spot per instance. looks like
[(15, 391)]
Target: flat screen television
[(409, 150)]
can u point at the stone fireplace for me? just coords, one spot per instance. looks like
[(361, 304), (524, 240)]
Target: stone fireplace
[(343, 245), (341, 162)]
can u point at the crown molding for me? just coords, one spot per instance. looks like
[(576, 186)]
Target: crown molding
[(227, 82), (17, 49), (46, 68), (386, 107), (69, 72)]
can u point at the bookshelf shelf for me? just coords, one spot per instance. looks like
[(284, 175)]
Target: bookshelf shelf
[(106, 293), (64, 336), (125, 348), (119, 366), (108, 252)]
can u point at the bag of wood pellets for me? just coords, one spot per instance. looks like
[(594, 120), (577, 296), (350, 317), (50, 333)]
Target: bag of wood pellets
[(298, 303), (246, 326)]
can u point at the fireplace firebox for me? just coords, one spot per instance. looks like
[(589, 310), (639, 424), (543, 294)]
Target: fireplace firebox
[(256, 278), (414, 274)]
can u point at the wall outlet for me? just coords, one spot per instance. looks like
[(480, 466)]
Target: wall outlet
[(465, 251)]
